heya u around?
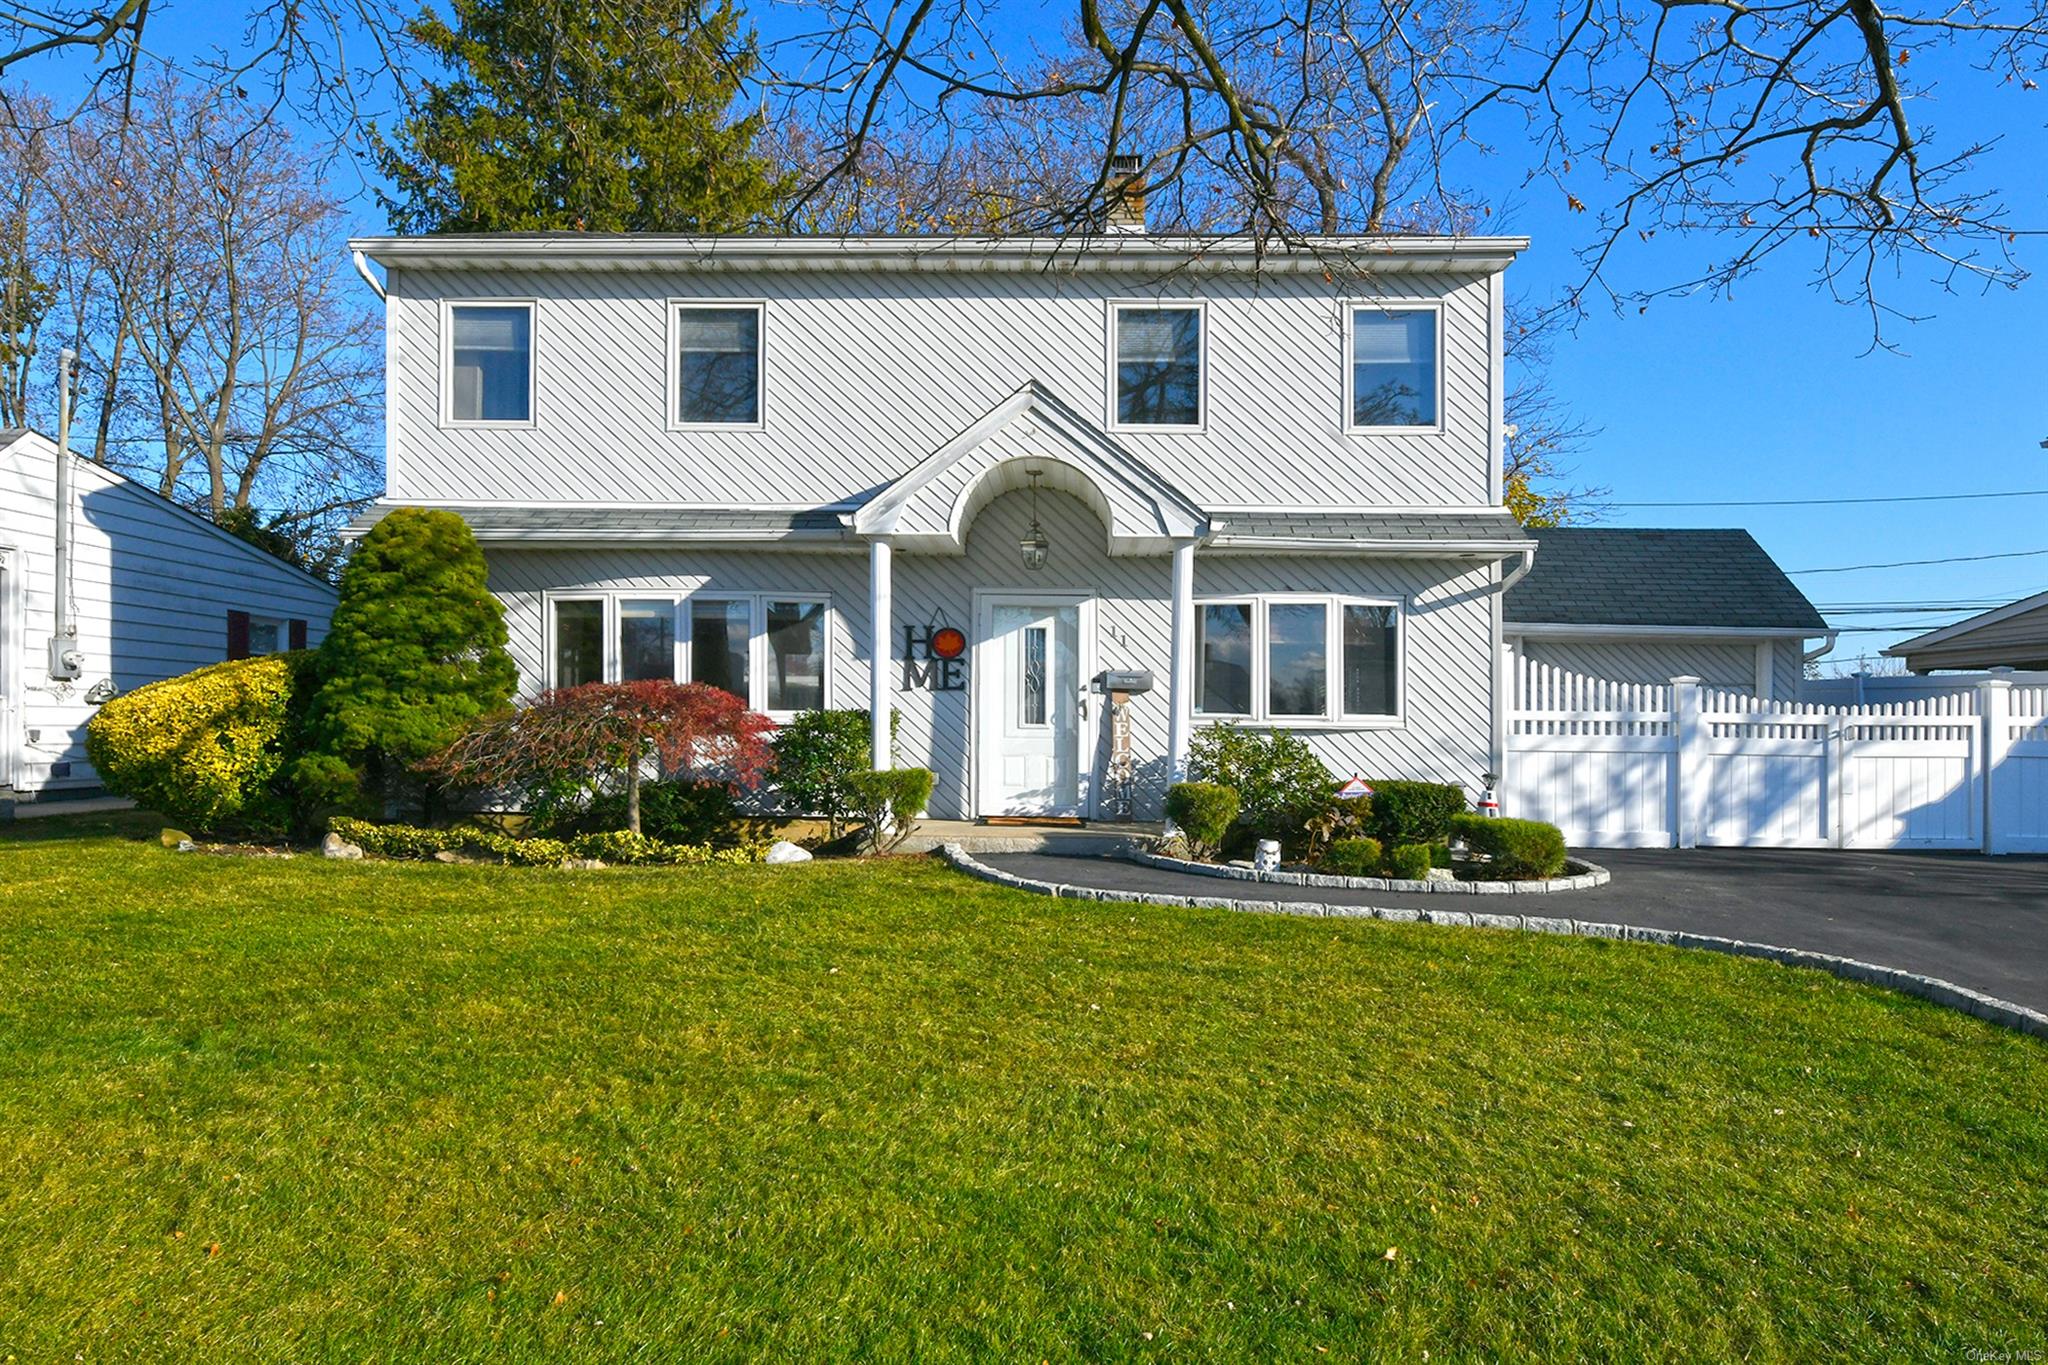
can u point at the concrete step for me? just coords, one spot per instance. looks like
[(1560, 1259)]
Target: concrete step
[(976, 837)]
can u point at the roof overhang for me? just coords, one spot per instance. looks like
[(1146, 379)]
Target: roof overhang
[(1120, 253), (1956, 631), (1564, 630)]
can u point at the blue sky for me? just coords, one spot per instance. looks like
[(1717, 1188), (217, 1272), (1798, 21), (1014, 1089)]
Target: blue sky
[(1773, 392)]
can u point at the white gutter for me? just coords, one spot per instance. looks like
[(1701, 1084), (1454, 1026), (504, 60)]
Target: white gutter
[(1555, 630), (1520, 571), (363, 268), (1813, 655), (581, 250)]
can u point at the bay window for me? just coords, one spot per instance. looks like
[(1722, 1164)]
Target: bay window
[(719, 649), (796, 655), (771, 650), (578, 641), (1299, 659), (647, 640)]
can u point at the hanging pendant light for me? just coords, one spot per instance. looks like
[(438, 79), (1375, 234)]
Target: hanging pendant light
[(1033, 544)]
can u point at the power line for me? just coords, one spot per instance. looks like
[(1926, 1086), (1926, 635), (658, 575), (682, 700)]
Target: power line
[(1915, 563), (1841, 502)]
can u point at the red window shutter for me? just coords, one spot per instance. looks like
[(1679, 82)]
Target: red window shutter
[(298, 633), (238, 635)]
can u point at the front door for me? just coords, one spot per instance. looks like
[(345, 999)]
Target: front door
[(1029, 708)]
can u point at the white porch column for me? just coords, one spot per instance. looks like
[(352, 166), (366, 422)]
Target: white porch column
[(1181, 694), (880, 623)]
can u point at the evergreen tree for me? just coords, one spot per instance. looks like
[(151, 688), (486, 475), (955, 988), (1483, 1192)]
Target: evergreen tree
[(414, 656), (594, 118)]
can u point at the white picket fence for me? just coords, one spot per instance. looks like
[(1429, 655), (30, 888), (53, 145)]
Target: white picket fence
[(1638, 765)]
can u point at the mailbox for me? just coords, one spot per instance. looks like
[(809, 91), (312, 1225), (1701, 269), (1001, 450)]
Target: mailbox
[(1131, 680)]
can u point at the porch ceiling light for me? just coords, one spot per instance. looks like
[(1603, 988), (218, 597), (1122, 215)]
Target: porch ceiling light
[(1033, 543)]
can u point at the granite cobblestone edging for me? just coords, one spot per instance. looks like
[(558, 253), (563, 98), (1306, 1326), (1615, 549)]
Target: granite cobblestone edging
[(1584, 877), (1930, 988)]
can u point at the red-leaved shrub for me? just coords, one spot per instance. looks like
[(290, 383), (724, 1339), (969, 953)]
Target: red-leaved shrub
[(575, 741)]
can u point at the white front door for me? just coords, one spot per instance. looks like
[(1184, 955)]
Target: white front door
[(1029, 708)]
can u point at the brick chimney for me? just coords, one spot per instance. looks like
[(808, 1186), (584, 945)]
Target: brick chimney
[(1126, 194)]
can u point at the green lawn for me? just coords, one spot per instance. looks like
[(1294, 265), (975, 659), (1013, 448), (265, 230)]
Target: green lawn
[(268, 1110)]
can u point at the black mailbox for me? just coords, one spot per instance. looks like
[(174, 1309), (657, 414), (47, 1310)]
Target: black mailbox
[(1132, 680)]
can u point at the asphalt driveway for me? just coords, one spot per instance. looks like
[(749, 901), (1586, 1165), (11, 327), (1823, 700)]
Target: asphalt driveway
[(1978, 922)]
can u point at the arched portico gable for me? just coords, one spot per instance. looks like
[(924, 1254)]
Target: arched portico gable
[(929, 509)]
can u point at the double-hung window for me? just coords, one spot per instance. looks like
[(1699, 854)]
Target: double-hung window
[(1156, 365), (1299, 659), (1395, 364), (716, 359), (489, 363), (771, 650)]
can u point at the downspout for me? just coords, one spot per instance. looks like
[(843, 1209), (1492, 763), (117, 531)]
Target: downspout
[(1521, 571), (1812, 656), (363, 269), (66, 661)]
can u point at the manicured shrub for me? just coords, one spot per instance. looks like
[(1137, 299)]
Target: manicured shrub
[(816, 755), (414, 656), (1280, 783), (1413, 812), (1517, 850), (576, 744), (1204, 811), (1409, 862), (885, 802), (674, 812), (208, 750), (414, 843), (1352, 858)]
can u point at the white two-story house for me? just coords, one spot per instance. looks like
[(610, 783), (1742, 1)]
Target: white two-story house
[(986, 486)]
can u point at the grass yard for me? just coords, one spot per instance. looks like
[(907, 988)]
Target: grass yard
[(256, 1109)]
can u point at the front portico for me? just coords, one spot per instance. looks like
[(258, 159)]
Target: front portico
[(1033, 471)]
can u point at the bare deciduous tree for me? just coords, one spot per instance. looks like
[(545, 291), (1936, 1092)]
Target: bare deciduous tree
[(193, 252)]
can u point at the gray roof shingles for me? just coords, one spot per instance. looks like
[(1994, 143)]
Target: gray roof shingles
[(1623, 576), (1353, 526)]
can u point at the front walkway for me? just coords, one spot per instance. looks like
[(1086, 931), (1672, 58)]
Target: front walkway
[(1979, 922)]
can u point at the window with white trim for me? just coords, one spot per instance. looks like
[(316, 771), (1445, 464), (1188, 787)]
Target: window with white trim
[(489, 363), (772, 650), (1395, 364), (576, 652), (1299, 659), (716, 355), (1156, 365)]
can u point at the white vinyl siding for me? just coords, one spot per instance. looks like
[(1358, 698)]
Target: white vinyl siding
[(864, 374)]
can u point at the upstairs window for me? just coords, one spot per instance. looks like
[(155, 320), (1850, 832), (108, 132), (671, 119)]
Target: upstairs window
[(1158, 363), (1299, 659), (1394, 368), (718, 365), (490, 362)]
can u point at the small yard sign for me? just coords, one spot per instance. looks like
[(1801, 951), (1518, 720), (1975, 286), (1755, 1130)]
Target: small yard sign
[(1353, 789)]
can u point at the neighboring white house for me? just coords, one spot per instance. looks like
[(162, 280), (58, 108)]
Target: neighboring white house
[(155, 591), (1265, 480), (1648, 605)]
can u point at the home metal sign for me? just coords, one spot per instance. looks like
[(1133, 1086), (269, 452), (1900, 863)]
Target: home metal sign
[(935, 657)]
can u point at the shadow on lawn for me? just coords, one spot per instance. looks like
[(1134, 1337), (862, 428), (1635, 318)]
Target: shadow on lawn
[(135, 826)]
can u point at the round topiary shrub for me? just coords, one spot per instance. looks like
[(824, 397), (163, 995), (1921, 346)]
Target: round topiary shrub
[(206, 749), (1351, 858), (1204, 811)]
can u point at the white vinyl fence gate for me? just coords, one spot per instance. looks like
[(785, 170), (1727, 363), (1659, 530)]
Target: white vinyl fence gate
[(1641, 765)]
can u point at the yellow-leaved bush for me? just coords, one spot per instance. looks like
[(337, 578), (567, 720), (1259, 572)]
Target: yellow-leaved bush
[(204, 749)]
